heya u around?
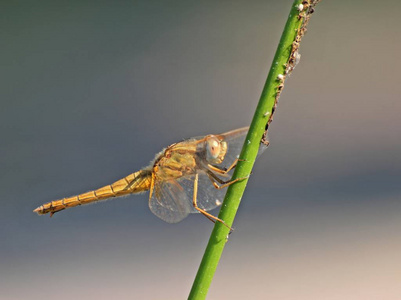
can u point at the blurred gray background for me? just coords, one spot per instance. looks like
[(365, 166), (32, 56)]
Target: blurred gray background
[(91, 90)]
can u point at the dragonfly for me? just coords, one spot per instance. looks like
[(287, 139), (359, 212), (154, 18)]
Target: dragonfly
[(190, 176)]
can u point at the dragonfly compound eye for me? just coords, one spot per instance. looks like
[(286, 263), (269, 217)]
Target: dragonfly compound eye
[(213, 148)]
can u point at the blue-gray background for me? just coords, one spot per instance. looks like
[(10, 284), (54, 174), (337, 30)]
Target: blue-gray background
[(90, 91)]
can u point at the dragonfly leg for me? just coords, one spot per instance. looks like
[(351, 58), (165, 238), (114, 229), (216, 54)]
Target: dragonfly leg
[(223, 171), (213, 178), (202, 211)]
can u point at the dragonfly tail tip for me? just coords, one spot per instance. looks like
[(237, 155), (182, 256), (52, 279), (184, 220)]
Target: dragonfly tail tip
[(38, 210)]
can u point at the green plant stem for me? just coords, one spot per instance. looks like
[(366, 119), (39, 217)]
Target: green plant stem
[(248, 155)]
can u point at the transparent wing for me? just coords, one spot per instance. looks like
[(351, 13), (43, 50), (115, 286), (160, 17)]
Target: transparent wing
[(208, 197), (170, 201)]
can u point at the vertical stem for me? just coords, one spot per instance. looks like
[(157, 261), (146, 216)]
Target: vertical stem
[(249, 152)]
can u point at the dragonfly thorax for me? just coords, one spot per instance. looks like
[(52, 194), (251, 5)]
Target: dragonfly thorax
[(175, 164)]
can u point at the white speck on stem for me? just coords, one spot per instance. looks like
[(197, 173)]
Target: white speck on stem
[(297, 57), (248, 142)]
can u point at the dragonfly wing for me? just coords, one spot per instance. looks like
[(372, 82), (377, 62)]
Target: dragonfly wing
[(170, 201), (208, 197)]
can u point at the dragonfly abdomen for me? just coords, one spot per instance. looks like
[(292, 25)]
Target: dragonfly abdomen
[(134, 183)]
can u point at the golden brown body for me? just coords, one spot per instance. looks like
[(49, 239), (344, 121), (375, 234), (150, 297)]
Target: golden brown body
[(134, 183)]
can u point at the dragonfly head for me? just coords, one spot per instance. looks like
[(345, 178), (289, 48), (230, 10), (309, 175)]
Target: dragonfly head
[(216, 149)]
